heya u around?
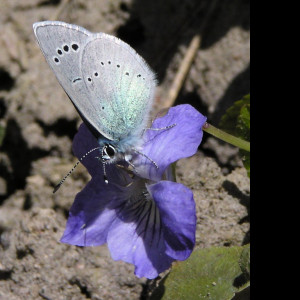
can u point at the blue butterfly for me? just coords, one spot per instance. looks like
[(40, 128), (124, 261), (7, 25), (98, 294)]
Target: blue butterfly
[(110, 85)]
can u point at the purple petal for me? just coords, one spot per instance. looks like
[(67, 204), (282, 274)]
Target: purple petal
[(93, 211), (153, 234), (178, 216), (139, 241), (89, 219), (83, 142), (167, 146)]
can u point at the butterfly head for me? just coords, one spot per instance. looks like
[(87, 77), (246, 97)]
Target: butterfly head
[(109, 153), (113, 151)]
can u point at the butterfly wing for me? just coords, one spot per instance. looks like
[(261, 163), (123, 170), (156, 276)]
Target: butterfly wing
[(110, 85), (62, 45), (120, 83)]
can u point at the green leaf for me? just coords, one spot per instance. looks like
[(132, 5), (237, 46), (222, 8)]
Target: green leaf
[(213, 273), (245, 155), (244, 261), (236, 121), (243, 122)]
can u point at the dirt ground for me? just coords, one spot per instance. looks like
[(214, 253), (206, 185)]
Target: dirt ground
[(40, 122)]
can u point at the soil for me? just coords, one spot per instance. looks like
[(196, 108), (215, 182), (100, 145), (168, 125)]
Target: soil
[(40, 123)]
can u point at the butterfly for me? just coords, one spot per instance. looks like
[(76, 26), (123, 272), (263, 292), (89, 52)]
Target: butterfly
[(110, 85)]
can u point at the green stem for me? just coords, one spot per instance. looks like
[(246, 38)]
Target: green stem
[(226, 137)]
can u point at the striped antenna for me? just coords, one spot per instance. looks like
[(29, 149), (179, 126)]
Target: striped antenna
[(69, 173)]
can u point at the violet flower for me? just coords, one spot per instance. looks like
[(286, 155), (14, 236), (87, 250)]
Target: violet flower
[(144, 220)]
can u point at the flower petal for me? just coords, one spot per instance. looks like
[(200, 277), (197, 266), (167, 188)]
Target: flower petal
[(92, 213), (152, 234), (167, 146), (178, 216), (83, 142), (136, 237), (125, 244), (149, 233)]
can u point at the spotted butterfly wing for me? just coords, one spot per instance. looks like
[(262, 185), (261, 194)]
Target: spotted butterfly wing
[(110, 85)]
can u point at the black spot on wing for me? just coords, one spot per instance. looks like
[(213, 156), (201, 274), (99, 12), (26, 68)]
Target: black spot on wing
[(77, 79)]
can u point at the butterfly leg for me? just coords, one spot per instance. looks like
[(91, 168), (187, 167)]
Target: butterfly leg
[(104, 169), (141, 153), (163, 128)]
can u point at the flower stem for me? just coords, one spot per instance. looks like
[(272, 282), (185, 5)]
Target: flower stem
[(226, 137)]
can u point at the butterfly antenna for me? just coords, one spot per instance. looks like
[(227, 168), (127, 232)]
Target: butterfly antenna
[(154, 163), (70, 172)]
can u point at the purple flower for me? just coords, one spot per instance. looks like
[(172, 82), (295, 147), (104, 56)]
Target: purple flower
[(145, 221)]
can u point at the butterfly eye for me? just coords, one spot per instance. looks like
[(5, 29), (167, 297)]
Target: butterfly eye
[(109, 150)]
